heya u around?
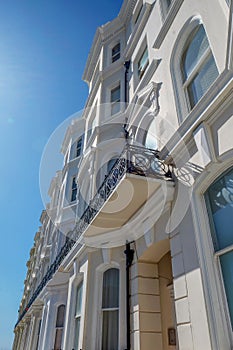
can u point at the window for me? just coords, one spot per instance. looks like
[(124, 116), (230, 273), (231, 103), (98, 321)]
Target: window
[(59, 327), (77, 316), (74, 190), (78, 147), (198, 66), (143, 63), (115, 100), (219, 199), (110, 310), (116, 52)]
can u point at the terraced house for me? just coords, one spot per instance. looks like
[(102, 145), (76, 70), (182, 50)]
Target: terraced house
[(135, 248)]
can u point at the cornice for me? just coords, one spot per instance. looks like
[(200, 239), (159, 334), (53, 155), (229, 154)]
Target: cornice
[(105, 33)]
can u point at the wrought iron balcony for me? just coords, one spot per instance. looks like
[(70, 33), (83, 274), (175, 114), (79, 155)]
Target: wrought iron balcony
[(134, 160)]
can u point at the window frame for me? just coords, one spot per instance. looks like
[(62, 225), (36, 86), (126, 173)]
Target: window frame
[(78, 147), (117, 55), (217, 320), (141, 69), (217, 251), (105, 309), (114, 103), (74, 189), (179, 47), (187, 82), (59, 328), (78, 315)]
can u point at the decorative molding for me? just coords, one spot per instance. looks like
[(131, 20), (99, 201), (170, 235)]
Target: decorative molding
[(137, 31), (175, 6)]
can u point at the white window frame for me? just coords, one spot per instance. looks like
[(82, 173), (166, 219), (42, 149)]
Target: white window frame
[(182, 103), (217, 253), (219, 325), (73, 189), (79, 315), (141, 69), (78, 147), (117, 55), (96, 334), (109, 309), (137, 76), (197, 68), (114, 103)]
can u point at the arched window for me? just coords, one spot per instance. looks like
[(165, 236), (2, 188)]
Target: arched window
[(59, 327), (198, 66), (110, 310), (219, 199), (77, 316)]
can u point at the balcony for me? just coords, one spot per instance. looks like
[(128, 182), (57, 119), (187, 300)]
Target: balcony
[(137, 182), (127, 191)]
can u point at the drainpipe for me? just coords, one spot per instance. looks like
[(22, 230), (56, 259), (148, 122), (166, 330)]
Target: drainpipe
[(129, 259), (126, 65)]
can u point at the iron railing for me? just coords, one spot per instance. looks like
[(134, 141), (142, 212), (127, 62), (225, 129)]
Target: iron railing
[(133, 160)]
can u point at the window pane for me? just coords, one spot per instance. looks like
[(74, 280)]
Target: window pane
[(195, 51), (60, 316), (74, 190), (115, 100), (115, 94), (143, 63), (74, 185), (58, 339), (110, 289), (79, 147), (77, 332), (116, 52), (79, 299), (227, 271), (110, 330), (220, 197), (202, 81)]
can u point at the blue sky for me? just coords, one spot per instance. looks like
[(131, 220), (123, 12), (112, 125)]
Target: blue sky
[(43, 49)]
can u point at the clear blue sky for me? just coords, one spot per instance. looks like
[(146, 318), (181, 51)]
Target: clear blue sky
[(43, 49)]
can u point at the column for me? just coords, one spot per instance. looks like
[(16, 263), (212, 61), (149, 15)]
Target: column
[(146, 328), (23, 342)]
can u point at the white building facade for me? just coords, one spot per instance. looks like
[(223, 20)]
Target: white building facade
[(135, 248)]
